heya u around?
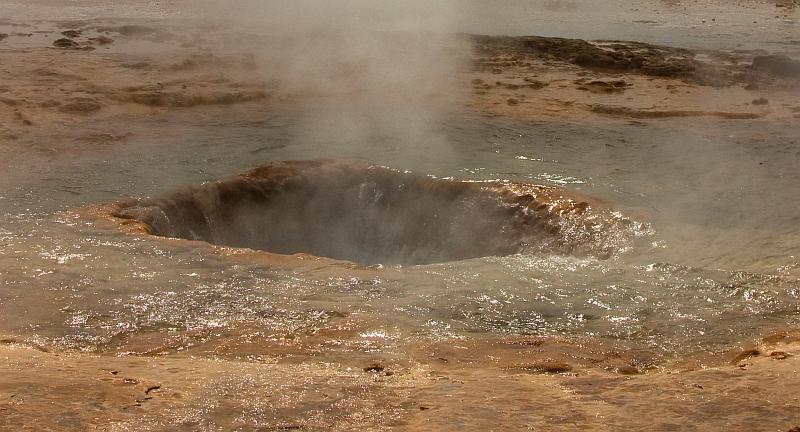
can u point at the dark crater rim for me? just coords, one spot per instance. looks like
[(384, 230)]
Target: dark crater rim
[(371, 214)]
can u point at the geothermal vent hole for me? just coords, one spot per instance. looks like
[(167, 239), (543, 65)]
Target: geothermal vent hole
[(365, 214)]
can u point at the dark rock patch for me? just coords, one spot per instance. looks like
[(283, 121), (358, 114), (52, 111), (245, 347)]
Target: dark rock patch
[(543, 367), (66, 43), (611, 56), (602, 86), (72, 34)]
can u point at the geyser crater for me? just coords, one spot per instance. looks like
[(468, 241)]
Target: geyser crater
[(375, 215)]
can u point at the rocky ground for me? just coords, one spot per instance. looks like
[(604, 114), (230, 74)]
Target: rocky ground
[(572, 79), (529, 383), (62, 84), (51, 90)]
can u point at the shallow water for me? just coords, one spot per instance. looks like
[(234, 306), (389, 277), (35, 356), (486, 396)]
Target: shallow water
[(715, 261)]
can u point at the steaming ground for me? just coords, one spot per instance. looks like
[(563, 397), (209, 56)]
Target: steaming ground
[(690, 326)]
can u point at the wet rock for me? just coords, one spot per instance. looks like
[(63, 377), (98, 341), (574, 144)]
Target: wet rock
[(779, 355), (744, 355), (65, 43), (374, 368), (545, 367), (651, 60), (780, 65), (72, 34)]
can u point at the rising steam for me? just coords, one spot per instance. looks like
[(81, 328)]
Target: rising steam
[(365, 71)]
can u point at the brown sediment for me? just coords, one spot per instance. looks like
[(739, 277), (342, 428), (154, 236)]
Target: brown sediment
[(601, 86), (107, 88), (535, 382), (371, 214), (564, 79), (544, 354), (656, 114), (176, 99)]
